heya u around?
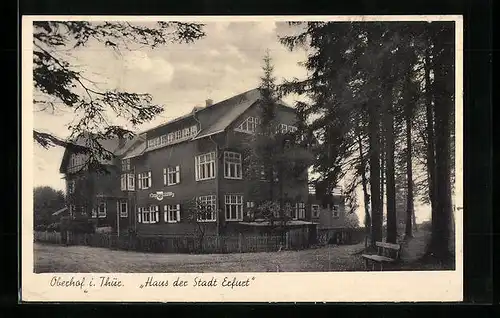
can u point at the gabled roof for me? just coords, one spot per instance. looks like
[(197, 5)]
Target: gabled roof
[(216, 118), (112, 145), (233, 108)]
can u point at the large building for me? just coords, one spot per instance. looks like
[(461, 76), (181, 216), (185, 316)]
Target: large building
[(197, 156)]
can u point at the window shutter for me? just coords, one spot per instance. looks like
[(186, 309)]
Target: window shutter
[(165, 213), (178, 212), (139, 215), (178, 174), (149, 178), (164, 176), (157, 209), (139, 186)]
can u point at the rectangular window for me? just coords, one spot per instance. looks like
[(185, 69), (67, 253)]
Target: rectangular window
[(232, 165), (153, 143), (208, 205), (193, 130), (335, 211), (83, 211), (170, 137), (172, 213), (123, 182), (71, 186), (283, 128), (250, 204), (94, 213), (299, 211), (178, 134), (131, 182), (205, 166), (234, 207), (123, 209), (164, 140), (101, 210), (125, 164), (148, 215), (144, 180), (315, 210), (172, 175)]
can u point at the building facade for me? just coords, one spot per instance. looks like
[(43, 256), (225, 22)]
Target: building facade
[(199, 156)]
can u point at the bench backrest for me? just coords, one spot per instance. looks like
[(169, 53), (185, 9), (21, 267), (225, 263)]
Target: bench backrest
[(388, 249)]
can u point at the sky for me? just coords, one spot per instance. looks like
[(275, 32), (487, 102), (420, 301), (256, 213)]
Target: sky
[(226, 62)]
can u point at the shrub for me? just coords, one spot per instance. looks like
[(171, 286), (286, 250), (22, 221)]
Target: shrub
[(82, 226), (53, 227), (41, 228)]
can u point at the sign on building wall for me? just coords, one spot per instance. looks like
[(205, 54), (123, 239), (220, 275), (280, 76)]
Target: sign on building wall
[(159, 195)]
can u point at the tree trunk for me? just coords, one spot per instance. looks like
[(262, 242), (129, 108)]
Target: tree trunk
[(392, 232), (364, 183), (382, 170), (409, 105), (374, 153), (443, 90), (431, 167), (409, 176)]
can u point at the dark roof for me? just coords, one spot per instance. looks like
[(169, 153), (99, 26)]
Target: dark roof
[(230, 110), (112, 145), (214, 119)]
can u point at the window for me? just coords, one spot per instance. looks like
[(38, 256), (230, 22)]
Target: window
[(172, 213), (335, 211), (131, 181), (123, 182), (144, 180), (83, 211), (299, 211), (232, 165), (164, 140), (94, 213), (249, 125), (209, 202), (315, 210), (172, 175), (123, 209), (71, 186), (125, 164), (234, 207), (148, 215), (250, 204), (292, 129), (101, 210), (170, 137), (155, 142), (193, 130), (205, 166), (72, 210), (178, 134), (283, 128)]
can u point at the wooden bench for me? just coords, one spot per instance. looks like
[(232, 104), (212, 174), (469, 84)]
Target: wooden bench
[(386, 253)]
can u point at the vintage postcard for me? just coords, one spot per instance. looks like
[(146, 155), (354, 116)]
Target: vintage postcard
[(242, 159)]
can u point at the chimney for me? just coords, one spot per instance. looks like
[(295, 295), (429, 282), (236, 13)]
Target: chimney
[(121, 141), (209, 102)]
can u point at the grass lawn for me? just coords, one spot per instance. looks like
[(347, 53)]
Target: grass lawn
[(84, 259)]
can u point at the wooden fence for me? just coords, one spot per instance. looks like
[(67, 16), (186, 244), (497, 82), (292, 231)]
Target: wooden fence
[(179, 244), (293, 240)]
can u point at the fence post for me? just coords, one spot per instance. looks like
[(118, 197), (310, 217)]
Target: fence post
[(240, 237), (287, 237)]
